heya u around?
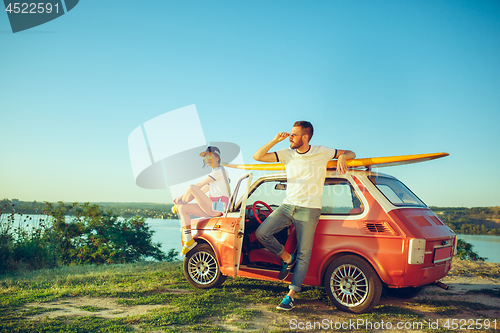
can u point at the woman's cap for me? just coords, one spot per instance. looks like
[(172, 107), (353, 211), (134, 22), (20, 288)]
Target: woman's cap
[(211, 149)]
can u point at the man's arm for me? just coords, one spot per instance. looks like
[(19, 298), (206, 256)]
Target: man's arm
[(263, 154), (343, 156)]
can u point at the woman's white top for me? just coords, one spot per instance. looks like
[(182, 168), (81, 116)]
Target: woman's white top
[(218, 188)]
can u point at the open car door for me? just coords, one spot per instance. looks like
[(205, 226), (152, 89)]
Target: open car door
[(238, 199)]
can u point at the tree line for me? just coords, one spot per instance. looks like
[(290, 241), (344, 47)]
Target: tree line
[(471, 221), (122, 209)]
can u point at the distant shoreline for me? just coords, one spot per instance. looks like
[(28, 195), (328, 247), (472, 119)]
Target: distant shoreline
[(467, 221)]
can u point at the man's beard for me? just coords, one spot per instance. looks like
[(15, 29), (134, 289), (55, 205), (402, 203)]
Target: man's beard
[(293, 145)]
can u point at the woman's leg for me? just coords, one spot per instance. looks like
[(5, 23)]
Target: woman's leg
[(187, 237), (186, 197), (203, 207), (185, 210), (204, 202)]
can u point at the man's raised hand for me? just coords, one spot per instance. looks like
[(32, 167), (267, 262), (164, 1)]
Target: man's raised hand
[(281, 136)]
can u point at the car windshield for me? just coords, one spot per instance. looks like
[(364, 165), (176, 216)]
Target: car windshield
[(396, 192)]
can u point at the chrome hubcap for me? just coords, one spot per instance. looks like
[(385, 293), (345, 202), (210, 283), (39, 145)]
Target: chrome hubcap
[(202, 268), (349, 285)]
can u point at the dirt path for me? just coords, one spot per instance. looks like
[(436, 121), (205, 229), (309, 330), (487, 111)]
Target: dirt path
[(94, 306), (473, 306), (462, 291)]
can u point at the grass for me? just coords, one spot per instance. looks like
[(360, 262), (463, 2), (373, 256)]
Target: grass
[(173, 305), (451, 308), (131, 285), (91, 308), (469, 268), (491, 292)]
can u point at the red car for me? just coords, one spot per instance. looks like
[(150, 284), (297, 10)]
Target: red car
[(373, 233)]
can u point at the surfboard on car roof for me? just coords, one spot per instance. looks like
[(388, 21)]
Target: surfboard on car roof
[(367, 163)]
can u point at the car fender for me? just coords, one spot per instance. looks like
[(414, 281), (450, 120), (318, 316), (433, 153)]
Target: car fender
[(207, 238), (332, 256)]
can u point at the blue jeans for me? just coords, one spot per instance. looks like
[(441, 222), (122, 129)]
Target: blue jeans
[(305, 221)]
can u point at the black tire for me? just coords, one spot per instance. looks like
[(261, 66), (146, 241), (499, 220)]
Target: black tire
[(352, 284), (404, 293), (201, 268)]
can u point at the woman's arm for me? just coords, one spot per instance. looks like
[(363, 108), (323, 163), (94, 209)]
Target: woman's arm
[(203, 185), (205, 182), (205, 188)]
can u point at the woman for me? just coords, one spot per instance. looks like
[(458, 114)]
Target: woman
[(217, 186)]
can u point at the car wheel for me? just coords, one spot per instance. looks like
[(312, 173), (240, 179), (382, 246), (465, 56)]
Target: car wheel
[(352, 284), (201, 268), (404, 293)]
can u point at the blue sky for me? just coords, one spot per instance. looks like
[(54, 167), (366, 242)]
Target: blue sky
[(376, 77)]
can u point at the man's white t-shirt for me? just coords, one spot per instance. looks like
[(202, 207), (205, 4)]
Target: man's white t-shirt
[(218, 188), (306, 174)]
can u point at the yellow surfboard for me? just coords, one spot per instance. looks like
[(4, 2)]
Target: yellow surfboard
[(355, 163)]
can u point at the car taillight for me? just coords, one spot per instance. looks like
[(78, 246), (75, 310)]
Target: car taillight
[(455, 245), (416, 251)]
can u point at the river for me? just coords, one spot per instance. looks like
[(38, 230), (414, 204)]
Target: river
[(484, 245), (167, 232)]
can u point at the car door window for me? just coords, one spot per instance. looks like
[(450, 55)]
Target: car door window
[(271, 192), (339, 198)]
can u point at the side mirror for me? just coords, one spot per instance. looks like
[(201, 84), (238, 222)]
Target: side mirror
[(280, 186)]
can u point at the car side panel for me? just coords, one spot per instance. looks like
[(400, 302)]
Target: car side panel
[(226, 245), (221, 238), (374, 237), (426, 225)]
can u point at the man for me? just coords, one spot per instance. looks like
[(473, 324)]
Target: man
[(306, 172)]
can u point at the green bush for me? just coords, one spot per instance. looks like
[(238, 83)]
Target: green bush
[(464, 251), (97, 237), (90, 236), (5, 252), (27, 246)]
